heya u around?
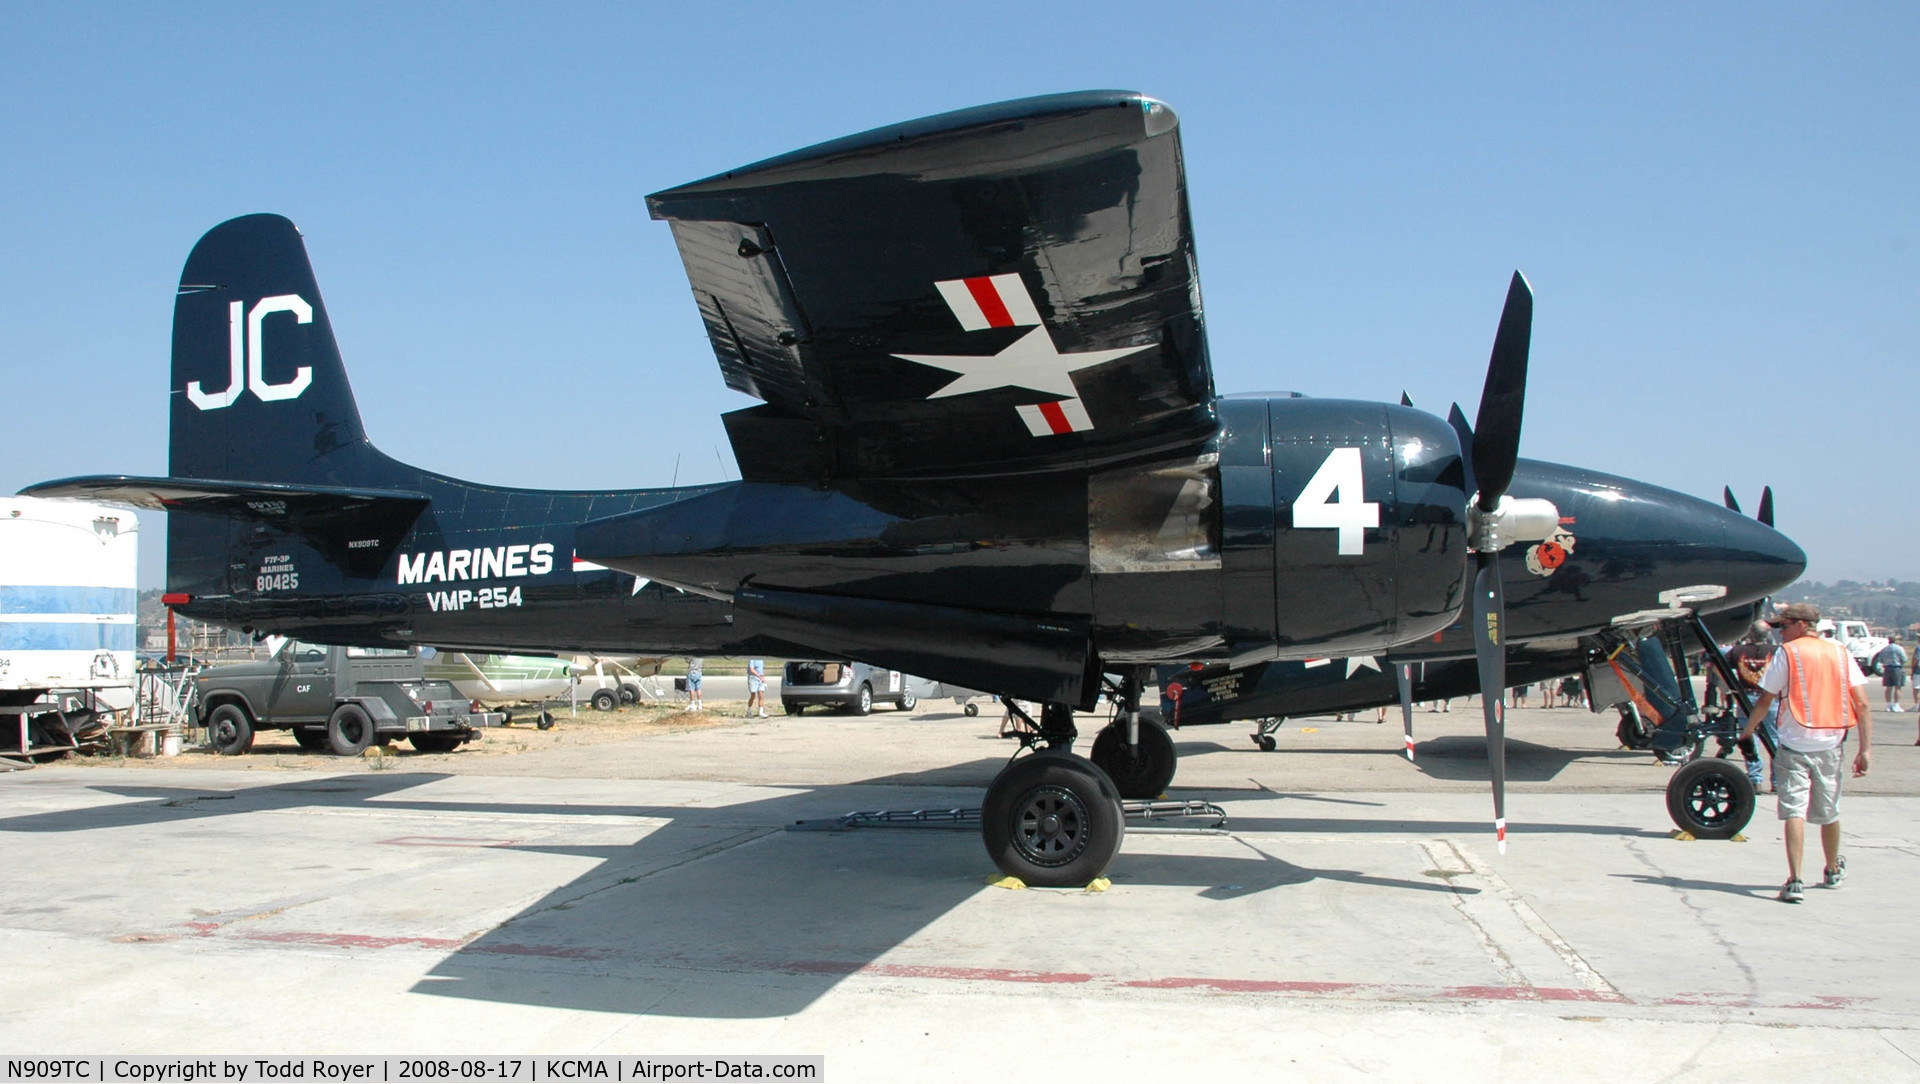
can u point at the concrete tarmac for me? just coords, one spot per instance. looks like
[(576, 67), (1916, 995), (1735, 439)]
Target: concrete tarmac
[(646, 897)]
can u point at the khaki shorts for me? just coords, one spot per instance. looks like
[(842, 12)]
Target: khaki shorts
[(1808, 784)]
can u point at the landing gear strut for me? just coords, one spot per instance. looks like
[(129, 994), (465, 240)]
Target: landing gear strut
[(1135, 750), (1264, 737)]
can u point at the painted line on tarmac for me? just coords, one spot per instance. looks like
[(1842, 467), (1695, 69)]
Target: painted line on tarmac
[(1314, 989)]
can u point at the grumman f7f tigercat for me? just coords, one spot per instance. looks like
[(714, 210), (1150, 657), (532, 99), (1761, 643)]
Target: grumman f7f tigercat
[(989, 452)]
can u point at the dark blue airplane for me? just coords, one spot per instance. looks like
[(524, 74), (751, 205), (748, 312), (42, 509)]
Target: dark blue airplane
[(990, 452)]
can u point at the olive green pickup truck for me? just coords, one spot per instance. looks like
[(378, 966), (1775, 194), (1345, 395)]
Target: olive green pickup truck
[(338, 698)]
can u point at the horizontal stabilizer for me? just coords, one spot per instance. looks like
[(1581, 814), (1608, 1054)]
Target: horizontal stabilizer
[(353, 528)]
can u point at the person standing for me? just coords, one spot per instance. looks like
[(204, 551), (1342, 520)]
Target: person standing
[(1913, 678), (1820, 685), (1892, 663), (757, 687), (1749, 659), (694, 668)]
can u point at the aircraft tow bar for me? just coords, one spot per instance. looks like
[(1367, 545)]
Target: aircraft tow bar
[(970, 818)]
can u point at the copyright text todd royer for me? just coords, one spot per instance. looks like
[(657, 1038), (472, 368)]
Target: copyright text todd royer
[(428, 1070)]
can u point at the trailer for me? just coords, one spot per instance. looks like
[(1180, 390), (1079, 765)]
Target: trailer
[(68, 614)]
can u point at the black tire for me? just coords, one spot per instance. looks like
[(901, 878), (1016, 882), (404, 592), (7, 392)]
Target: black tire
[(1053, 820), (1633, 731), (546, 721), (629, 693), (1711, 798), (907, 701), (312, 739), (792, 708), (437, 742), (1141, 772), (229, 730), (349, 731), (1267, 743), (605, 699), (971, 710), (863, 704)]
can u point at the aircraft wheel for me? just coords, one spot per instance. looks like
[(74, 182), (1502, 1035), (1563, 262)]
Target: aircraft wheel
[(864, 705), (792, 708), (1711, 798), (629, 693), (546, 721), (312, 739), (1633, 731), (971, 710), (1267, 743), (1142, 772), (1053, 820), (907, 701), (229, 730), (437, 743), (349, 731), (605, 700)]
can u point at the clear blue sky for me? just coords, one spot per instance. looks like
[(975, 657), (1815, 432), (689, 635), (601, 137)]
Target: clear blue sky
[(1716, 205)]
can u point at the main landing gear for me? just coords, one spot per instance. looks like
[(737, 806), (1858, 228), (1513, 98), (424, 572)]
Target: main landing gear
[(1054, 819)]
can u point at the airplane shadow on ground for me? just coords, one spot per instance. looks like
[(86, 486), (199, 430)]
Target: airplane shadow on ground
[(719, 912), (1464, 757)]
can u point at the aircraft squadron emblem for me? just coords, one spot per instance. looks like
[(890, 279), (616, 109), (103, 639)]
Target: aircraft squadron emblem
[(1544, 558)]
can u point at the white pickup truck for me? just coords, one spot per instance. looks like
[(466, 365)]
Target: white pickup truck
[(1861, 643)]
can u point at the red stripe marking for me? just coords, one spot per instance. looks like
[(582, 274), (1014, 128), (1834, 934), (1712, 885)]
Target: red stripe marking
[(1247, 986), (1056, 418), (355, 940), (991, 307)]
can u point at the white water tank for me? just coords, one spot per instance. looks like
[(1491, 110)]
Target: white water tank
[(68, 600)]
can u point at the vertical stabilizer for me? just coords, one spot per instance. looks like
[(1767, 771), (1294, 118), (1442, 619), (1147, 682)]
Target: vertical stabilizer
[(259, 392)]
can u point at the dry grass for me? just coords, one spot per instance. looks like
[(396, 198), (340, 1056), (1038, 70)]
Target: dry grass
[(276, 749)]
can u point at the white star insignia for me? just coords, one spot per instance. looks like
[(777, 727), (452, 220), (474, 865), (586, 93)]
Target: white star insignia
[(1354, 663), (1031, 361)]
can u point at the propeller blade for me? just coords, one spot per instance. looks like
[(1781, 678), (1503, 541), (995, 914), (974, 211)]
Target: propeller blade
[(1405, 673), (1489, 648), (1405, 399), (1726, 494), (1766, 506), (1496, 444), (1461, 430)]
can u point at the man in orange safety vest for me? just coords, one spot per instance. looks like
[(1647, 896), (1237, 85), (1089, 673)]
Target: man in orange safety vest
[(1819, 687)]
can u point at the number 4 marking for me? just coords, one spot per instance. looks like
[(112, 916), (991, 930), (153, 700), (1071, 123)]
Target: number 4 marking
[(1334, 498)]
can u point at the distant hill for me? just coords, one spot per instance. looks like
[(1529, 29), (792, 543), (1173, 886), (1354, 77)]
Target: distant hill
[(1883, 604)]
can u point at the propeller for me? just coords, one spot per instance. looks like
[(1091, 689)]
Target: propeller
[(1405, 673), (1726, 494), (1490, 450), (1766, 506)]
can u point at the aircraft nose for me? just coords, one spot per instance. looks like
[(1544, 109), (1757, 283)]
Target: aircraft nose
[(1760, 560)]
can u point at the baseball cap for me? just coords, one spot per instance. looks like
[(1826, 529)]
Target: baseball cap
[(1799, 611)]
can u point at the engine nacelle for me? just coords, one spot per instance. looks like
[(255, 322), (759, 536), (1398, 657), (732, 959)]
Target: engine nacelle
[(1345, 525)]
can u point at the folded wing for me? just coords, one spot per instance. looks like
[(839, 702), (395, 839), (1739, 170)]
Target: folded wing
[(1003, 289)]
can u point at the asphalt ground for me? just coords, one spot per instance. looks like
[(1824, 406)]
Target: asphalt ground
[(617, 886)]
